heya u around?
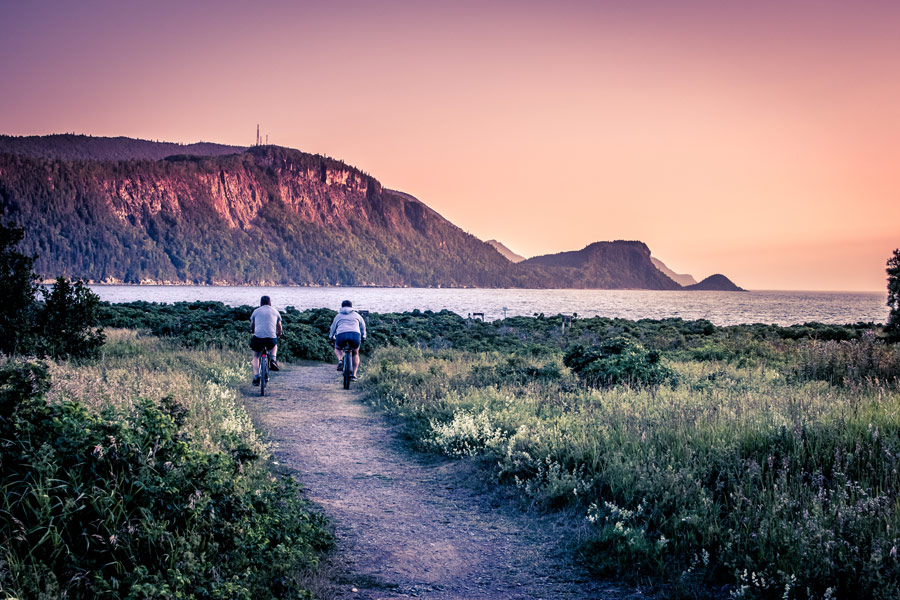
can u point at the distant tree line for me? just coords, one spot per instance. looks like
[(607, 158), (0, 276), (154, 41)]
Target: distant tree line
[(69, 146)]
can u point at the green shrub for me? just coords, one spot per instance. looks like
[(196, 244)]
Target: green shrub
[(128, 506), (619, 360), (68, 322)]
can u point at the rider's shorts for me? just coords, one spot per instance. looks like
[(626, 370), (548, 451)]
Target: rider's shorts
[(257, 344), (350, 338)]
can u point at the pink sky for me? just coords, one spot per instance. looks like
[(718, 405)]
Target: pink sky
[(761, 141)]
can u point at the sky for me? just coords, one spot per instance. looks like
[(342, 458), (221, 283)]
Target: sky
[(756, 139)]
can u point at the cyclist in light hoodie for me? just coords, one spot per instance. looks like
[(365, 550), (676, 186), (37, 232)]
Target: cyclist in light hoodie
[(348, 327)]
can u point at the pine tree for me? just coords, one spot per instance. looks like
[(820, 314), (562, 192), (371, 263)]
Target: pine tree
[(893, 273), (18, 286)]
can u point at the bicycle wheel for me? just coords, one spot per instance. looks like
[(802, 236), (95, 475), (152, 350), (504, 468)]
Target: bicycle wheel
[(348, 371), (263, 373)]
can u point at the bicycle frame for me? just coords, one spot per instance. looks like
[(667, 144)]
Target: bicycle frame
[(263, 371)]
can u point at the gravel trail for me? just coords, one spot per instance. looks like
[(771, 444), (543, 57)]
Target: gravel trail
[(408, 525)]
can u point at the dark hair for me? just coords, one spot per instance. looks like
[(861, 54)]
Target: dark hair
[(265, 300), (346, 303)]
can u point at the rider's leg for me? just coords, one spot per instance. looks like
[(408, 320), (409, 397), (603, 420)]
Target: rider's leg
[(354, 361), (274, 351), (338, 353), (255, 362)]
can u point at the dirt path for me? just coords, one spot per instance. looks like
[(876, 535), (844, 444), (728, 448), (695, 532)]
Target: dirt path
[(406, 525)]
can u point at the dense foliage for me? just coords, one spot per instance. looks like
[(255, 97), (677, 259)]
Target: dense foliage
[(198, 324), (143, 486), (62, 325), (206, 324)]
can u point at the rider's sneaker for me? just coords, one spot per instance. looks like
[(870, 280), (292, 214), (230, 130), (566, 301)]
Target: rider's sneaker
[(353, 378), (340, 367), (256, 380), (273, 365)]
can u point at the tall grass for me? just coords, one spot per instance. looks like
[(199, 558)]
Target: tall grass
[(143, 476), (741, 479)]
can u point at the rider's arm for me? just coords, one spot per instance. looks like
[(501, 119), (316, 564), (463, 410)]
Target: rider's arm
[(362, 326), (252, 325), (279, 331), (333, 327)]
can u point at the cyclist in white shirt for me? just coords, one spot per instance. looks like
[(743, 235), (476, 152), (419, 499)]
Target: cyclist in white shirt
[(265, 325), (349, 328)]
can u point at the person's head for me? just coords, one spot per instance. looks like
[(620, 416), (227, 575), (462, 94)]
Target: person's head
[(265, 301), (346, 303)]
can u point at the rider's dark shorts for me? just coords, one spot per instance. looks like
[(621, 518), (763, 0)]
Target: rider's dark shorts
[(257, 344), (349, 337)]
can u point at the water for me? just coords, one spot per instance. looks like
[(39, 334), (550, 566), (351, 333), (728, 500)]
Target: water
[(722, 308)]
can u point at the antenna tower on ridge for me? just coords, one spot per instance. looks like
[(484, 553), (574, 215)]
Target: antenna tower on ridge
[(257, 134)]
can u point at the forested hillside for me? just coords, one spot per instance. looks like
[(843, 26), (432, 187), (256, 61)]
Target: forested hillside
[(264, 215)]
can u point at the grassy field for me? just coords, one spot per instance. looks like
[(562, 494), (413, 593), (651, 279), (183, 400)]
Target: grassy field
[(751, 461), (764, 474), (141, 476)]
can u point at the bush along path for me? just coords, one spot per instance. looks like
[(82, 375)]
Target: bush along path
[(406, 524)]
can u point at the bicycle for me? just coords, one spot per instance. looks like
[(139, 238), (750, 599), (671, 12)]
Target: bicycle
[(347, 365), (263, 370)]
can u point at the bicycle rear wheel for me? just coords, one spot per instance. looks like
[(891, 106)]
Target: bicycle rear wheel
[(263, 373), (348, 372)]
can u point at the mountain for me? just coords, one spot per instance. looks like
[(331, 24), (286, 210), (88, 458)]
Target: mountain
[(677, 278), (86, 147), (715, 283), (506, 252), (109, 210), (619, 264), (267, 215)]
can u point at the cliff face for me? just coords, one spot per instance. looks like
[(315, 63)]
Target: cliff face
[(326, 193), (266, 215)]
